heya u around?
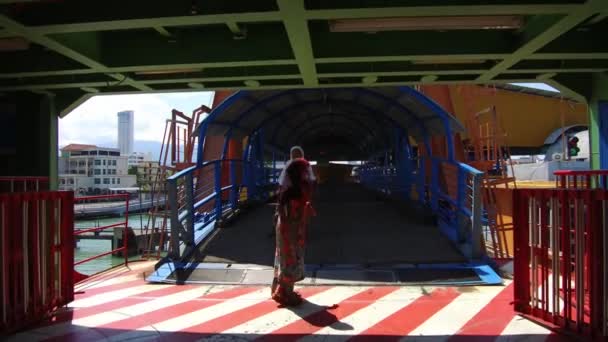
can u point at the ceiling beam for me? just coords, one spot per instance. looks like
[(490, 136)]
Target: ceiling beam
[(52, 44), (345, 60), (322, 14), (338, 75), (296, 25), (130, 24), (538, 41), (533, 72)]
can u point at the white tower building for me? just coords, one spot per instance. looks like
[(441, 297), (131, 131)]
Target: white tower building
[(125, 132)]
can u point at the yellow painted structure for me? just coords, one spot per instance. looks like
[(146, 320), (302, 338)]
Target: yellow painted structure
[(527, 119)]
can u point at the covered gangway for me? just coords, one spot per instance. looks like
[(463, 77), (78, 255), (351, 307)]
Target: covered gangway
[(408, 205), (354, 123)]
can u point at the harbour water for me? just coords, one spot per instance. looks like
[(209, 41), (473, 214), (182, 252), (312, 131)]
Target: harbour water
[(88, 248)]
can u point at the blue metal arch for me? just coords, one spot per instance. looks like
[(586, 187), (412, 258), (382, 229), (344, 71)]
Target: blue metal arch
[(442, 114)]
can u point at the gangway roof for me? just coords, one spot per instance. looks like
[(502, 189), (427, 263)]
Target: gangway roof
[(74, 49), (347, 112)]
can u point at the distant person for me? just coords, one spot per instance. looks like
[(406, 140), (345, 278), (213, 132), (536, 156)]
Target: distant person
[(293, 211)]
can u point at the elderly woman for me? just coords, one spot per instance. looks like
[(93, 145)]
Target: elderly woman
[(293, 211)]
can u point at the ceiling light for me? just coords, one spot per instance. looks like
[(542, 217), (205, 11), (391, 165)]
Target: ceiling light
[(428, 78), (427, 23), (168, 71)]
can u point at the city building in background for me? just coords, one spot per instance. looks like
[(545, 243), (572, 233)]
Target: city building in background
[(125, 132), (148, 175), (89, 169), (137, 158)]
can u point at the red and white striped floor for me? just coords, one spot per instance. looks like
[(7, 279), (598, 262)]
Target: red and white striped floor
[(125, 308)]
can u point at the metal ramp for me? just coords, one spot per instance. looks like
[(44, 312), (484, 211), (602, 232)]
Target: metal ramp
[(358, 237)]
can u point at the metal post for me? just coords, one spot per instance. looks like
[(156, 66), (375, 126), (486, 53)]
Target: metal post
[(235, 188), (476, 232), (421, 179), (189, 206), (218, 190), (201, 142), (226, 143), (125, 236), (435, 184), (174, 209)]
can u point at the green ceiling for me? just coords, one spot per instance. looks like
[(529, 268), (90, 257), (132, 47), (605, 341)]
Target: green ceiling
[(75, 48)]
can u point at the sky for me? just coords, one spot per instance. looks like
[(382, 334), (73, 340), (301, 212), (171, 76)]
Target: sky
[(95, 121)]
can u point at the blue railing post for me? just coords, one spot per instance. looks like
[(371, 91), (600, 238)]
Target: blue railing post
[(476, 209), (421, 181), (435, 183), (462, 178), (175, 224), (235, 188), (201, 142), (189, 206), (218, 190)]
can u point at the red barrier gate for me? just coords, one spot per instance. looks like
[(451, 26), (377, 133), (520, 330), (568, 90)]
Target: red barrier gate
[(23, 184), (561, 258), (36, 256), (582, 179), (124, 225)]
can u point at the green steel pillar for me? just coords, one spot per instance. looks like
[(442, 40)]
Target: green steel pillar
[(48, 109), (599, 93)]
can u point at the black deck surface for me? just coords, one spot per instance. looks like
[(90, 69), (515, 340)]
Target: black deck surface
[(353, 226)]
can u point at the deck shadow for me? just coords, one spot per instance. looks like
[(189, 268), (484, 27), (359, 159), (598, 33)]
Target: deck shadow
[(352, 226)]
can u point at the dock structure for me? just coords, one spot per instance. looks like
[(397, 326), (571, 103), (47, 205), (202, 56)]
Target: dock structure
[(88, 210), (138, 239)]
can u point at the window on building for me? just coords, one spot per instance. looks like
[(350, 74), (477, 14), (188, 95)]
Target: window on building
[(117, 180), (106, 181), (104, 171), (113, 180), (114, 162), (71, 181), (97, 162), (97, 171), (104, 162), (81, 172), (97, 181), (62, 181)]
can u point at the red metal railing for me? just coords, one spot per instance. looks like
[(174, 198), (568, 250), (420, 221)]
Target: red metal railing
[(561, 258), (36, 256), (125, 225), (584, 179), (23, 184)]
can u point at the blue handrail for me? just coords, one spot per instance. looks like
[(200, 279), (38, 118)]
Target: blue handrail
[(196, 197), (452, 191)]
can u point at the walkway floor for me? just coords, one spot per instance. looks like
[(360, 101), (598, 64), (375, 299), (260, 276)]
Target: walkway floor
[(123, 307), (353, 226)]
